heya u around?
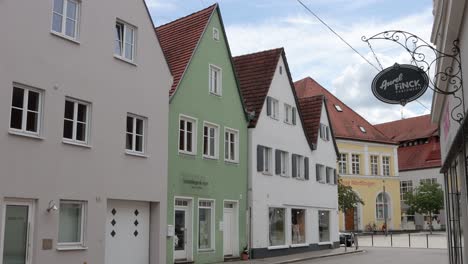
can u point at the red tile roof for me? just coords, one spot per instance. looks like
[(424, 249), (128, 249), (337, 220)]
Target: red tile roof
[(180, 38), (255, 72), (346, 124), (310, 109), (409, 129), (421, 156)]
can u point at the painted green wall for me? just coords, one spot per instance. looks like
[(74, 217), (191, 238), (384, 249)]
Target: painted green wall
[(226, 181)]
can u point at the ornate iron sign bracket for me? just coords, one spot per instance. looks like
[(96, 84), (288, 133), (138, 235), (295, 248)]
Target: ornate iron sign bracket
[(450, 77)]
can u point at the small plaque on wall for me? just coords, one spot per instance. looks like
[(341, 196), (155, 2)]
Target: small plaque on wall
[(47, 244)]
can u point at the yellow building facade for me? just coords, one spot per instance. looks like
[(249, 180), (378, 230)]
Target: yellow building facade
[(371, 169)]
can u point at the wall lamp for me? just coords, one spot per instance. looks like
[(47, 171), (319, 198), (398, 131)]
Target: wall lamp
[(52, 206)]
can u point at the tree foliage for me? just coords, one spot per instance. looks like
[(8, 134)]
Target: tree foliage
[(347, 198)]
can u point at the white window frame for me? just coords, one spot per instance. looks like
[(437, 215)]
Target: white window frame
[(274, 108), (194, 122), (355, 164), (219, 80), (322, 173), (428, 180), (285, 224), (329, 175), (385, 165), (24, 109), (236, 145), (215, 33), (408, 187), (123, 46), (324, 132), (73, 140), (374, 164), (64, 19), (216, 140), (284, 163), (134, 134), (81, 243), (213, 223), (384, 203), (338, 108), (343, 163), (267, 160), (288, 114), (300, 167)]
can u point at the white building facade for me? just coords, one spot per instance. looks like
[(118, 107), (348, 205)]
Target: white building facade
[(291, 210), (83, 133)]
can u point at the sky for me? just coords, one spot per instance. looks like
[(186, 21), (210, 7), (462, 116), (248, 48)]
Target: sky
[(313, 50)]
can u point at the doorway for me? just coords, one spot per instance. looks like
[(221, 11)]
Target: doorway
[(230, 230), (182, 230)]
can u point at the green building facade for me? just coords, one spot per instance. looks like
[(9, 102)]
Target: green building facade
[(207, 184)]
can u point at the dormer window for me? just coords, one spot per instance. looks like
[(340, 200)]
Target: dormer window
[(215, 34), (363, 130), (338, 108)]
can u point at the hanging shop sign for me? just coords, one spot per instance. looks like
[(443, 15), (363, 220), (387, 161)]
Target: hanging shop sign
[(400, 84)]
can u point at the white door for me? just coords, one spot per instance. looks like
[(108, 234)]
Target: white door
[(17, 226), (230, 234), (180, 233), (127, 232)]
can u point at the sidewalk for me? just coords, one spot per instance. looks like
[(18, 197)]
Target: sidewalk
[(302, 256)]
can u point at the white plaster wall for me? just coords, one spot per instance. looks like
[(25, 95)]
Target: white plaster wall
[(277, 191)]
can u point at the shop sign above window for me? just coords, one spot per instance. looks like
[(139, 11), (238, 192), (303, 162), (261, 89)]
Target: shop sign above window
[(400, 84)]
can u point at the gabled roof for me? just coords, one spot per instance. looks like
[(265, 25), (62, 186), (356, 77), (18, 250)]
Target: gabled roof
[(255, 72), (347, 124), (179, 40), (409, 129), (310, 108), (422, 156)]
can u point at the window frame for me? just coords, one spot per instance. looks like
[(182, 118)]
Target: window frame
[(236, 145), (328, 226), (321, 176), (219, 80), (75, 121), (274, 107), (405, 189), (81, 243), (267, 160), (342, 162), (374, 164), (329, 176), (194, 122), (304, 210), (386, 166), (134, 134), (300, 167), (215, 34), (324, 132), (216, 140), (356, 164), (288, 113), (385, 203), (284, 160), (23, 131), (64, 16), (213, 223), (121, 56), (285, 220)]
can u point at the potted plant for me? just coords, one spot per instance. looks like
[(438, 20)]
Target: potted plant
[(245, 254)]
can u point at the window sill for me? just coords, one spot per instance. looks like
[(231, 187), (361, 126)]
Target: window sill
[(299, 245), (277, 247), (209, 157), (24, 134), (284, 175), (60, 35), (325, 243), (125, 60), (267, 173), (74, 143), (186, 153), (216, 95), (233, 162), (71, 248), (274, 118), (288, 123), (136, 154)]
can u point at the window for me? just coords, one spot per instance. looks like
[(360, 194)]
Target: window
[(300, 167), (363, 130), (324, 226), (343, 163), (215, 34), (135, 136), (298, 226), (205, 225), (210, 140), (124, 41), (428, 181), (374, 164), (272, 108), (381, 206), (65, 16), (355, 164), (264, 159), (231, 145), (26, 108), (215, 80), (320, 173), (76, 121), (338, 108), (71, 223), (330, 175), (187, 135), (277, 232), (289, 114), (282, 161), (324, 132), (405, 187), (386, 166)]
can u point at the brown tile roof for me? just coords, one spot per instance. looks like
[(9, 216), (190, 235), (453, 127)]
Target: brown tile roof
[(255, 72), (311, 110), (409, 129), (180, 38), (346, 124), (421, 156)]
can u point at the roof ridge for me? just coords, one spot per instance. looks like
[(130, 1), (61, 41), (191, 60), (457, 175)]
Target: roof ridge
[(401, 120), (187, 16), (259, 52)]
